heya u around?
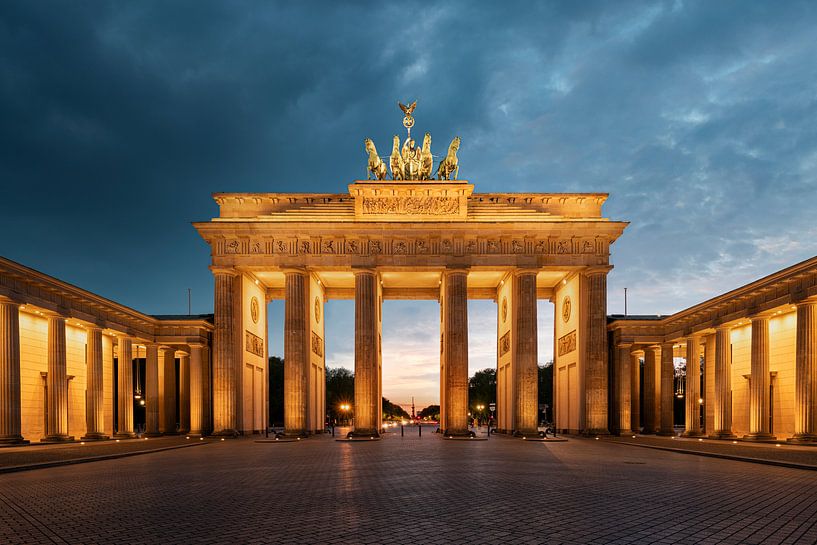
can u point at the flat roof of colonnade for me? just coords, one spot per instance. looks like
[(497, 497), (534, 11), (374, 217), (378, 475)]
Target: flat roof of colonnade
[(772, 295)]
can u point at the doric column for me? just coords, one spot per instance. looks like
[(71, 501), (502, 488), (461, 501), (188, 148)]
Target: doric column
[(692, 422), (10, 415), (167, 391), (805, 411), (124, 399), (367, 347), (296, 352), (57, 381), (197, 407), (651, 360), (525, 354), (151, 390), (625, 390), (225, 358), (594, 315), (635, 391), (455, 351), (184, 394), (723, 384), (760, 381), (94, 394), (667, 424)]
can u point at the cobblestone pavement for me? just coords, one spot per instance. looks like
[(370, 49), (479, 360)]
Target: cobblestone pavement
[(410, 490)]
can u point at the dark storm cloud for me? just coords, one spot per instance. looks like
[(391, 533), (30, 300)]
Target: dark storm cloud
[(117, 120)]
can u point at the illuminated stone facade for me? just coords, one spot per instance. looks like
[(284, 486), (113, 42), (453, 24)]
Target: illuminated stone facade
[(413, 240), (753, 351)]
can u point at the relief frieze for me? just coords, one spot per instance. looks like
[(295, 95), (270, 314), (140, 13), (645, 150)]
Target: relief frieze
[(411, 206), (254, 344), (505, 344), (317, 345), (567, 343)]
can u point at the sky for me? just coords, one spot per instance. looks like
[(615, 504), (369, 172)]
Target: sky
[(118, 120)]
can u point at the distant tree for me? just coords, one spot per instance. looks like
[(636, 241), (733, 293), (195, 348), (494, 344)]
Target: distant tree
[(276, 391), (392, 411), (340, 389), (482, 391), (432, 412)]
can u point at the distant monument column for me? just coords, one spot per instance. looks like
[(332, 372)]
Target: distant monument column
[(367, 348), (805, 415), (225, 354), (296, 352), (625, 388), (124, 396), (760, 381), (651, 357), (94, 400), (10, 415), (692, 422), (594, 318), (525, 353), (455, 350), (151, 390), (723, 383), (635, 390), (167, 391), (667, 390), (197, 395), (57, 381)]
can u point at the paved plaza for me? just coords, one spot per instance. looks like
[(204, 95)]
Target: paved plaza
[(410, 490)]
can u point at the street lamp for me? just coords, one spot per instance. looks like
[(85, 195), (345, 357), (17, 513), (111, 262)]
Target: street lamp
[(345, 408)]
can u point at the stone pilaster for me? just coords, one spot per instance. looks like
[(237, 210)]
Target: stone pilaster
[(124, 399), (57, 382), (594, 315), (635, 390), (151, 390), (225, 354), (197, 407), (760, 381), (455, 351), (296, 352), (625, 390), (692, 406), (805, 410), (184, 394), (667, 394), (10, 410), (723, 384), (652, 355), (94, 393), (368, 411)]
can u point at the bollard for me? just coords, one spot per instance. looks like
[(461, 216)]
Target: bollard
[(420, 427), (401, 430), (333, 430)]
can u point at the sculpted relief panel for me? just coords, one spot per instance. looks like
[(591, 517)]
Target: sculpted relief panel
[(413, 246), (431, 206)]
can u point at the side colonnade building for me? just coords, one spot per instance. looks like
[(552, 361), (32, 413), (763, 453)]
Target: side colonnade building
[(749, 358), (67, 360)]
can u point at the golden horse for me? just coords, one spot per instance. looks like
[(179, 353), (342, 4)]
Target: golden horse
[(426, 159), (396, 162), (376, 164), (450, 164)]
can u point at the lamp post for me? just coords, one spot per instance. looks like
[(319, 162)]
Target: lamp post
[(480, 408), (345, 408)]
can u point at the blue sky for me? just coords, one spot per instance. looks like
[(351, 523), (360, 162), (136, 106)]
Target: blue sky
[(119, 120)]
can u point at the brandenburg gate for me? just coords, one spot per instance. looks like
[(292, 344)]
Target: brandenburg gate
[(410, 237)]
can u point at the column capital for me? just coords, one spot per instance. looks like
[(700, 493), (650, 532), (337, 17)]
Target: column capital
[(364, 271), (455, 270), (759, 318), (300, 271), (522, 271), (624, 344), (224, 270), (597, 270), (6, 300), (668, 345), (196, 345), (722, 327), (806, 303)]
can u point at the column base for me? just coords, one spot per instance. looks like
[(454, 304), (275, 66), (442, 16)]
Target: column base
[(152, 434), (226, 433), (291, 435), (803, 438), (759, 437), (666, 433), (124, 435), (94, 437), (58, 439), (723, 435), (13, 440), (625, 432), (363, 434), (596, 431), (693, 433), (458, 433)]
